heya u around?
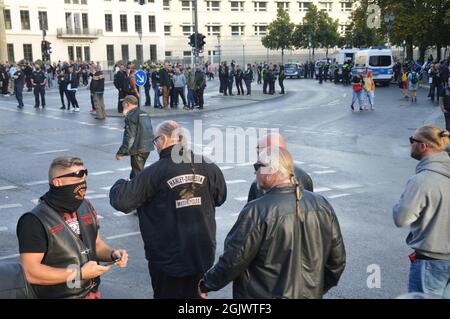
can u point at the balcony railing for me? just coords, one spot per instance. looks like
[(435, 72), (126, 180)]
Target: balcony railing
[(73, 33)]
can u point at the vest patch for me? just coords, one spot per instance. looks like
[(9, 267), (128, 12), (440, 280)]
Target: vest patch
[(56, 229), (196, 201), (87, 219), (185, 179)]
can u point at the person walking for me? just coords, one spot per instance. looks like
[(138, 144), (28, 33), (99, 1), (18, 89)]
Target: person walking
[(369, 90), (62, 86), (137, 136), (121, 83), (357, 84), (72, 79), (175, 198), (281, 78), (413, 83), (424, 207), (19, 82)]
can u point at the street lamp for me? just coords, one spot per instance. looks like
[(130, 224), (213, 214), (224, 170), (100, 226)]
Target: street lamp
[(309, 46), (389, 18), (140, 35), (404, 50)]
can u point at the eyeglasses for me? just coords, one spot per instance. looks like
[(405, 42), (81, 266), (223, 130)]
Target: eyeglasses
[(257, 166), (412, 140), (79, 174), (155, 139)]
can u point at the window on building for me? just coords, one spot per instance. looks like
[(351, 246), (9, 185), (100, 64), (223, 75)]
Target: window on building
[(168, 54), (85, 21), (87, 54), (167, 29), (166, 5), (137, 23), (343, 28), (67, 2), (213, 30), (187, 30), (260, 29), (43, 21), (25, 19), (79, 53), (108, 23), (346, 6), (325, 6), (237, 5), (283, 5), (125, 53), (110, 54), (237, 30), (71, 53), (123, 23), (304, 6), (187, 53), (139, 53), (69, 21), (213, 5), (153, 53), (260, 6), (151, 24), (186, 5), (10, 49), (7, 16)]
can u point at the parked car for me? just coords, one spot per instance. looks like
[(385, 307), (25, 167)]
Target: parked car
[(294, 70)]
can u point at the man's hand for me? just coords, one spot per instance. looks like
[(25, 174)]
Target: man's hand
[(203, 295), (123, 255), (92, 270), (119, 158)]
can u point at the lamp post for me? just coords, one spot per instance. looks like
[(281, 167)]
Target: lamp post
[(220, 49), (309, 46), (404, 50), (389, 19)]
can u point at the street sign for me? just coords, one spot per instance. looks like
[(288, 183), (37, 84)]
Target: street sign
[(141, 78)]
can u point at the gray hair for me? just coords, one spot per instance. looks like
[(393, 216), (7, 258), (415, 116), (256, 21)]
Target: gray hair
[(63, 162)]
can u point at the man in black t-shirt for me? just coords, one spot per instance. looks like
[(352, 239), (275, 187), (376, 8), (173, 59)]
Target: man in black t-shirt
[(444, 102), (59, 242), (19, 82), (39, 80)]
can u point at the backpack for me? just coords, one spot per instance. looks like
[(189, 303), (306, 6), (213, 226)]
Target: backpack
[(13, 283), (414, 78)]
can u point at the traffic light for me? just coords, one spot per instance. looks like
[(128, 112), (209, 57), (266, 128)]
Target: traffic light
[(49, 48), (200, 42), (192, 40), (43, 46)]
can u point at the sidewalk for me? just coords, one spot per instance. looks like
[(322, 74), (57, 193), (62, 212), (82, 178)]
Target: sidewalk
[(213, 102)]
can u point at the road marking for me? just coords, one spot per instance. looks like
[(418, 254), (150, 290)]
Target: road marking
[(107, 188), (97, 196), (120, 214), (322, 189), (244, 164), (291, 131), (102, 173), (235, 214), (241, 199), (90, 192), (338, 196), (5, 188), (237, 181), (123, 235), (111, 144), (216, 125), (37, 183), (323, 172), (35, 201), (3, 228), (123, 169), (318, 166), (299, 162), (223, 168), (50, 152), (10, 206), (347, 186), (9, 257)]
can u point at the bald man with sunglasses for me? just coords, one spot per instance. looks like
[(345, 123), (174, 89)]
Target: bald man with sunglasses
[(59, 241)]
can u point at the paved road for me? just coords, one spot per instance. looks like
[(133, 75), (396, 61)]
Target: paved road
[(359, 161)]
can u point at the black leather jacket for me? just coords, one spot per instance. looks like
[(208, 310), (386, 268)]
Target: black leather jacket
[(303, 178), (138, 135), (269, 253)]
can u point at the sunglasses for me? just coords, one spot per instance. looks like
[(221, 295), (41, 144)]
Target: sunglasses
[(412, 140), (79, 174), (257, 166), (155, 139)]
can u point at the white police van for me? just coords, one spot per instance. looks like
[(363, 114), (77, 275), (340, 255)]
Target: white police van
[(379, 60)]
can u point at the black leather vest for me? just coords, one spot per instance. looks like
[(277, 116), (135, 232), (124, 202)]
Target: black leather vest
[(65, 248)]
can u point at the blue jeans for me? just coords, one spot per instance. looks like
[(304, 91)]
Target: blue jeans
[(357, 96), (430, 277), (156, 102), (191, 99)]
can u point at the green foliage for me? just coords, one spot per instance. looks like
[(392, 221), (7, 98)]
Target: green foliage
[(280, 32)]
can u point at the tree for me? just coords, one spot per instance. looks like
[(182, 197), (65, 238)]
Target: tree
[(328, 34), (280, 33)]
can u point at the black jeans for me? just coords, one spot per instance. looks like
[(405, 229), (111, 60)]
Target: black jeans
[(248, 84), (199, 93), (179, 91), (447, 121), (18, 89), (62, 93), (148, 101), (122, 95), (73, 98), (39, 91), (138, 163), (265, 86), (168, 287), (272, 87), (240, 88), (281, 83)]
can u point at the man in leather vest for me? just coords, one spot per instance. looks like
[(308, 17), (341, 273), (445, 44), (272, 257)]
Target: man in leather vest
[(277, 140), (287, 244), (59, 242), (138, 135)]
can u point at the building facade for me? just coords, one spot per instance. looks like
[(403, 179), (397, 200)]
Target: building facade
[(113, 30)]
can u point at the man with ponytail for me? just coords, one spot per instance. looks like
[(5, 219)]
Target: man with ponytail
[(175, 198), (285, 244), (425, 207)]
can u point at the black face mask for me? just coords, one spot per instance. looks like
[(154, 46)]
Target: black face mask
[(66, 198)]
